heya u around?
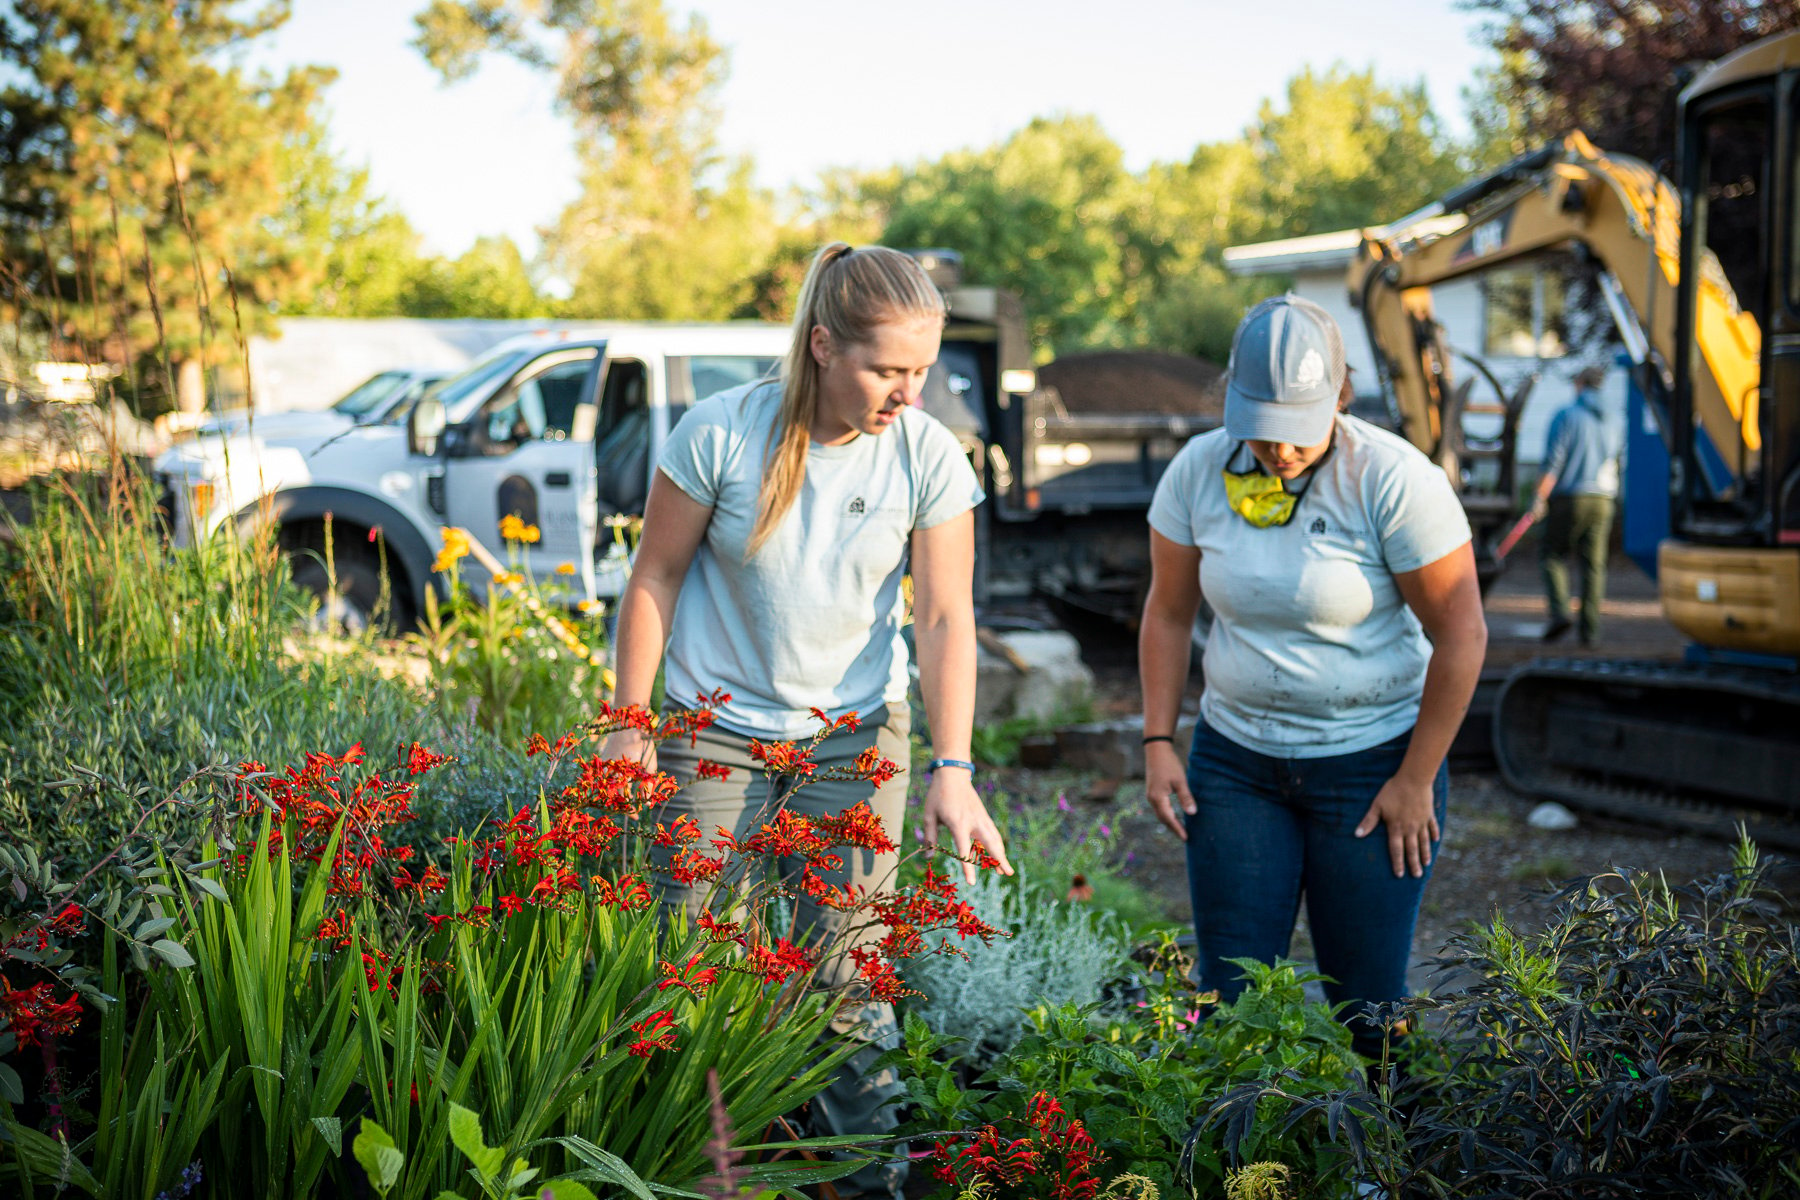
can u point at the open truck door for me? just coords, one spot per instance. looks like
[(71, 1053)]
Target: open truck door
[(529, 452)]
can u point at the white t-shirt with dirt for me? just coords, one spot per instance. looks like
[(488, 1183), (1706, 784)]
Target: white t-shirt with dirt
[(814, 619), (1313, 650)]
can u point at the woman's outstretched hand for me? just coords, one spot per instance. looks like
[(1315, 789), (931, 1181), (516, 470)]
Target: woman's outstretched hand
[(951, 803), (1165, 783), (633, 744)]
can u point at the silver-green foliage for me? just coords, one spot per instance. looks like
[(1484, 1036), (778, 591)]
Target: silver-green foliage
[(1059, 952)]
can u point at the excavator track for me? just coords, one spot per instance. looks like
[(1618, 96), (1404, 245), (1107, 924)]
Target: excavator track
[(1694, 748)]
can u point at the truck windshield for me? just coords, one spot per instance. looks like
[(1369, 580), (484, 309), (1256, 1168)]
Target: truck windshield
[(372, 393), (459, 393)]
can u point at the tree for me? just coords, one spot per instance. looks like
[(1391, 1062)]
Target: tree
[(1346, 152), (139, 171), (368, 261), (1613, 69), (1037, 213), (664, 226), (490, 280)]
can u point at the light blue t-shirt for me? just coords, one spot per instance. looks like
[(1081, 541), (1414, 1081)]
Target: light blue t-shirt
[(1313, 650), (814, 619), (1583, 449)]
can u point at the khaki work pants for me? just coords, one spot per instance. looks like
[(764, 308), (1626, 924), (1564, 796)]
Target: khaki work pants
[(856, 1100)]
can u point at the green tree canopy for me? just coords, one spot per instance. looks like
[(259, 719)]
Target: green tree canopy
[(139, 172), (1039, 213)]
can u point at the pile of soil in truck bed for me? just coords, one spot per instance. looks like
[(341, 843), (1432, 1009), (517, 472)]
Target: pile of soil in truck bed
[(1136, 381)]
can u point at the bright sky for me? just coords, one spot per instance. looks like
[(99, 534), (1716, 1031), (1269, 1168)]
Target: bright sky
[(820, 83)]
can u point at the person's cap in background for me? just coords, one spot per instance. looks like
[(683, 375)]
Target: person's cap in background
[(1285, 374)]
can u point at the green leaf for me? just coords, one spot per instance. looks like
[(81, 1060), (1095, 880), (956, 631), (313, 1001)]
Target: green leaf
[(566, 1189), (152, 927), (332, 1130), (608, 1167), (381, 1160), (173, 953), (12, 1089), (465, 1131), (211, 887)]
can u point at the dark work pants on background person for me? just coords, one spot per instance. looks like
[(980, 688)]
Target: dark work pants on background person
[(1268, 832)]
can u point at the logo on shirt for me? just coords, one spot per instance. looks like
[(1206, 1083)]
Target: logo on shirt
[(1317, 526), (856, 507)]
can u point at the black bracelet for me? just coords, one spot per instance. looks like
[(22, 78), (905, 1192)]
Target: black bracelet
[(1161, 737)]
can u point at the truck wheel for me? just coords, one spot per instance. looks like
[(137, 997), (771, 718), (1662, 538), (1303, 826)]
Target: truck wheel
[(355, 603)]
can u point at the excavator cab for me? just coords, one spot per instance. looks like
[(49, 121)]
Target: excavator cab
[(1730, 574)]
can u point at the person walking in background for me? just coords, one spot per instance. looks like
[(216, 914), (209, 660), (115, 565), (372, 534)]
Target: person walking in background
[(1346, 641), (780, 521), (1577, 495)]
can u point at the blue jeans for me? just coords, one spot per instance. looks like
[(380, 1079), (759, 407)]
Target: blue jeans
[(1267, 831)]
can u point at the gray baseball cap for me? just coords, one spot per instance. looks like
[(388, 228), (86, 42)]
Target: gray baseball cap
[(1286, 371)]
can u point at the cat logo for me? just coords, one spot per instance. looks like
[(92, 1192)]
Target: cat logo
[(856, 507), (1317, 526)]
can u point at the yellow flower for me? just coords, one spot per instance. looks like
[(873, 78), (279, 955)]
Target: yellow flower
[(591, 606), (456, 545), (515, 530), (565, 568), (509, 578)]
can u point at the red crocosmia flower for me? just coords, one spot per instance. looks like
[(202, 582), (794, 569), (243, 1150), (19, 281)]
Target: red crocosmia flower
[(655, 1032), (336, 929), (32, 1016), (707, 769), (688, 867), (870, 765), (417, 759), (779, 964), (717, 930), (692, 978), (509, 905), (783, 758), (857, 826), (883, 980), (68, 921)]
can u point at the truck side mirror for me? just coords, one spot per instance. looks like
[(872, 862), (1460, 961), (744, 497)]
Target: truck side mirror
[(425, 425)]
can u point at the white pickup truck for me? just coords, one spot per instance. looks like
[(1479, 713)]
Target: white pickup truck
[(561, 429)]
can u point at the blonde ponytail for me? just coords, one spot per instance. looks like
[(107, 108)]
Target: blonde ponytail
[(848, 292)]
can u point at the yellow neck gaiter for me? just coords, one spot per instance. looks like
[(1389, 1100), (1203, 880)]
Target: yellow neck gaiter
[(1258, 498)]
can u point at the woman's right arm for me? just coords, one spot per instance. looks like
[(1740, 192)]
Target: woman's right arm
[(674, 523), (1165, 648)]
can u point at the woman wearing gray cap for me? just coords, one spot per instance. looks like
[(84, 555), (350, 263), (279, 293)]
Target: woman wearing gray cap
[(1347, 638)]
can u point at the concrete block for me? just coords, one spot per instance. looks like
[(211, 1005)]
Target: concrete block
[(1114, 748), (1053, 680)]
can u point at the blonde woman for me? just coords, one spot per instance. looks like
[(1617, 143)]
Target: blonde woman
[(780, 521)]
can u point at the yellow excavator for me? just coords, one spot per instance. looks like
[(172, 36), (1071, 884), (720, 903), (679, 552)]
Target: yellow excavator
[(1702, 279)]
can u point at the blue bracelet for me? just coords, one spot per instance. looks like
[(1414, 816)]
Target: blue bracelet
[(935, 763)]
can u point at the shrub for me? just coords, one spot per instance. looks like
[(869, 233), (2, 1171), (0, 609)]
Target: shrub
[(1645, 1043), (1058, 952), (1141, 1079), (314, 971)]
